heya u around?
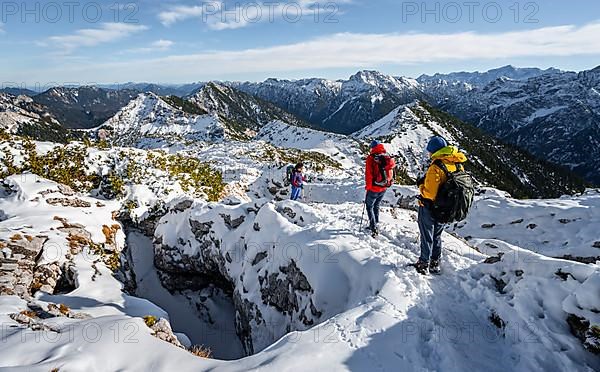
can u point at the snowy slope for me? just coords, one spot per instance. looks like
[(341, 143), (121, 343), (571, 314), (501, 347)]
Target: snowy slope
[(372, 310), (556, 228), (341, 148), (242, 113), (148, 121)]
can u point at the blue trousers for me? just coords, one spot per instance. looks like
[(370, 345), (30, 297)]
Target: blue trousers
[(372, 201), (431, 235), (296, 191)]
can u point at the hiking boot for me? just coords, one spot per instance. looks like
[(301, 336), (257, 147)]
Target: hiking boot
[(434, 267), (421, 266), (375, 232)]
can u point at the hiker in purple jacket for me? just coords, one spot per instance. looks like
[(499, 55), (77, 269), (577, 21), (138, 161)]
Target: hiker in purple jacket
[(297, 181)]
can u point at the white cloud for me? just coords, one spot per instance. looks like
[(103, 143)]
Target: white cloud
[(180, 13), (161, 45), (108, 32), (355, 51), (219, 16)]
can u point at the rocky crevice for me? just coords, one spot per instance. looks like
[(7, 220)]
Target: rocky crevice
[(285, 290)]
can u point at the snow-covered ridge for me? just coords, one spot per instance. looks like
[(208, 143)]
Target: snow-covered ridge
[(405, 136), (341, 148), (16, 111), (148, 119)]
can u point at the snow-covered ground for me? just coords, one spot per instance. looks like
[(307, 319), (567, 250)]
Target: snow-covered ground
[(132, 283), (372, 310), (555, 228)]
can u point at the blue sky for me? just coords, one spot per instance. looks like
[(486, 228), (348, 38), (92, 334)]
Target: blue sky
[(177, 41)]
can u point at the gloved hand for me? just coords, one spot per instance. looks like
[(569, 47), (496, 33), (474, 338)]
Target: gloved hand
[(420, 180)]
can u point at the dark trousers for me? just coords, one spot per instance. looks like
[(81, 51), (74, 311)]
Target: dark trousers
[(372, 201), (431, 235)]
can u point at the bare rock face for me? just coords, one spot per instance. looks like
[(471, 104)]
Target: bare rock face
[(284, 290), (276, 288), (17, 264), (69, 202), (588, 335)]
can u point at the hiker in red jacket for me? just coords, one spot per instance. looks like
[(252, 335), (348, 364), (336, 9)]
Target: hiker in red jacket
[(378, 177)]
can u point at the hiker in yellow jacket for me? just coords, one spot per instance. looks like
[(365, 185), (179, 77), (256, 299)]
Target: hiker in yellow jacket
[(429, 228)]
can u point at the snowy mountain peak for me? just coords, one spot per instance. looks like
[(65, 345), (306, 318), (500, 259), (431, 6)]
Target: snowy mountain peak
[(366, 80), (242, 113), (149, 121), (342, 106), (481, 79)]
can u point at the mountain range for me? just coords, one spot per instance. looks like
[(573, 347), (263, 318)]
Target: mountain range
[(555, 116), (551, 114)]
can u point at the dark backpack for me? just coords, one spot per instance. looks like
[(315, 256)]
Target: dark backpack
[(455, 196), (383, 172), (289, 174)]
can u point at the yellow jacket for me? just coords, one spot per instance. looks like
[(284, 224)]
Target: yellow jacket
[(435, 176)]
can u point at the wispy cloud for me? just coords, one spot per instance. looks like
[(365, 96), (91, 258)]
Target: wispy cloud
[(88, 37), (219, 16), (161, 45), (180, 13), (351, 50)]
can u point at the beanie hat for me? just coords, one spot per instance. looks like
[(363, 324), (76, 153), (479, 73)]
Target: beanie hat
[(374, 144), (436, 143)]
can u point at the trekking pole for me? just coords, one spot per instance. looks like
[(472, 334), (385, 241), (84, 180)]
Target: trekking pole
[(362, 217)]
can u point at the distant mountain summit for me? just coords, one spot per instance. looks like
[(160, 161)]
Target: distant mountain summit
[(21, 115), (18, 91), (480, 79), (342, 106), (555, 115), (84, 107)]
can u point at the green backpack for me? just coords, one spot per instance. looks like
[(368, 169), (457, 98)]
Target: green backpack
[(289, 173), (455, 196)]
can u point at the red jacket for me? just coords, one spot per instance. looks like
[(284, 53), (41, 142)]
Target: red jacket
[(379, 149)]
